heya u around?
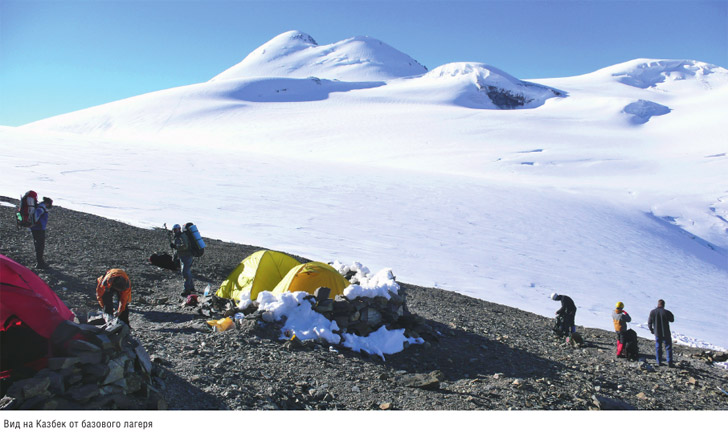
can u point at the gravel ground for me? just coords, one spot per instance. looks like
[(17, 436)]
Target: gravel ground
[(480, 356)]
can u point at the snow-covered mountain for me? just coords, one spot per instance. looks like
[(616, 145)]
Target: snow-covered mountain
[(295, 54), (609, 186)]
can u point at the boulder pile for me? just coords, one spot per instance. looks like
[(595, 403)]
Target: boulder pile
[(93, 366), (360, 316)]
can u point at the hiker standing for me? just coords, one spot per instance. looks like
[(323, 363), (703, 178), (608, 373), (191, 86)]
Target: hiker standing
[(659, 324), (114, 284), (39, 230), (567, 313), (181, 244), (620, 319)]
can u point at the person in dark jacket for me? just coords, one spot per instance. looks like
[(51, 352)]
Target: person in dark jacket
[(567, 312), (659, 324), (620, 319), (39, 231), (181, 243)]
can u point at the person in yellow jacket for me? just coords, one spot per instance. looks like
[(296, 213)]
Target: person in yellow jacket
[(620, 319), (115, 283)]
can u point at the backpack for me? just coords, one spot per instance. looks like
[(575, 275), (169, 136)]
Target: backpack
[(197, 245), (25, 214), (631, 348)]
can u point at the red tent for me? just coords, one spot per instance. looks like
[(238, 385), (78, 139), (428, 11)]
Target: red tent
[(29, 313)]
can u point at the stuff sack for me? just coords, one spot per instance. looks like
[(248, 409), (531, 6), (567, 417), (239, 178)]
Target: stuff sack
[(165, 261), (197, 245), (631, 348), (559, 328), (25, 214)]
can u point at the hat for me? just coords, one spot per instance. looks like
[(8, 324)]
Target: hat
[(620, 305), (48, 201), (177, 226), (554, 296)]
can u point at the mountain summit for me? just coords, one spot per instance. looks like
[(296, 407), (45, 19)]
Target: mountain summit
[(296, 54)]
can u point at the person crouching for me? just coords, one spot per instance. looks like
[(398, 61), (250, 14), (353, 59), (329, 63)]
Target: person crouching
[(114, 284)]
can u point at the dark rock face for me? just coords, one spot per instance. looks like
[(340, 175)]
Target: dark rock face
[(476, 356)]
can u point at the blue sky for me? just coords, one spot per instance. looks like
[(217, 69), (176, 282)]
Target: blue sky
[(60, 56)]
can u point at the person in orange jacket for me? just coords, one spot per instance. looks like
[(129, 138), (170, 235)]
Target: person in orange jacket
[(115, 283), (620, 319)]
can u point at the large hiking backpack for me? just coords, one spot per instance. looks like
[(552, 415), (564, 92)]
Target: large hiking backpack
[(25, 214), (197, 245), (631, 348)]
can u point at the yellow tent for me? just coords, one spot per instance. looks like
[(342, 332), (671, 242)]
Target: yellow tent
[(260, 271), (310, 276)]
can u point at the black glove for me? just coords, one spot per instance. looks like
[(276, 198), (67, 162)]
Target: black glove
[(652, 331), (171, 245)]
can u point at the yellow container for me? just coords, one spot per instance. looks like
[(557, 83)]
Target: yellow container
[(221, 325)]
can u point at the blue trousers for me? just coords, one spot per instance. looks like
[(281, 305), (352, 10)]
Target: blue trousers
[(187, 272), (658, 349)]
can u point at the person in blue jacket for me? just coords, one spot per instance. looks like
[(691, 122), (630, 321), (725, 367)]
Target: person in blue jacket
[(39, 231), (659, 324)]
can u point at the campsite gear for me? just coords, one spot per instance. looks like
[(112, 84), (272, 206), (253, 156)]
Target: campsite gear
[(165, 261), (207, 290), (630, 348), (261, 271), (197, 245), (575, 339), (191, 300), (25, 214), (221, 325), (310, 276), (29, 314), (559, 328)]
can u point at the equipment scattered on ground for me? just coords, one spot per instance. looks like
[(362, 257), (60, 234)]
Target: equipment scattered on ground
[(165, 261), (631, 348)]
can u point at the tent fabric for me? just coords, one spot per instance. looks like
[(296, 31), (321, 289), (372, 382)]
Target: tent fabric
[(26, 296), (310, 276), (261, 271)]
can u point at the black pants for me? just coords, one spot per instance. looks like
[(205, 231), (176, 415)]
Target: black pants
[(109, 307), (39, 237)]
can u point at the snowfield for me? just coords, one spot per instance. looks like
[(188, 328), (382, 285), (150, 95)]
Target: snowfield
[(606, 187)]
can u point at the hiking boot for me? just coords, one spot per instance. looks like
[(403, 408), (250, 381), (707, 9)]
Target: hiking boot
[(671, 365), (41, 265), (186, 293)]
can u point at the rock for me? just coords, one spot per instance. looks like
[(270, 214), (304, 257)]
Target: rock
[(641, 396), (430, 381), (385, 406), (29, 388), (84, 393), (605, 403), (143, 359), (58, 363)]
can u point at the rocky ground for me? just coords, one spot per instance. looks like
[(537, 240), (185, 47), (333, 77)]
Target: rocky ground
[(483, 356)]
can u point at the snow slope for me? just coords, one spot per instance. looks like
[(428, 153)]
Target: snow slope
[(607, 187)]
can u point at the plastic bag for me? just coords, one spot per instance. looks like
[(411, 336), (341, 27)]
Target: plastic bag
[(221, 325)]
